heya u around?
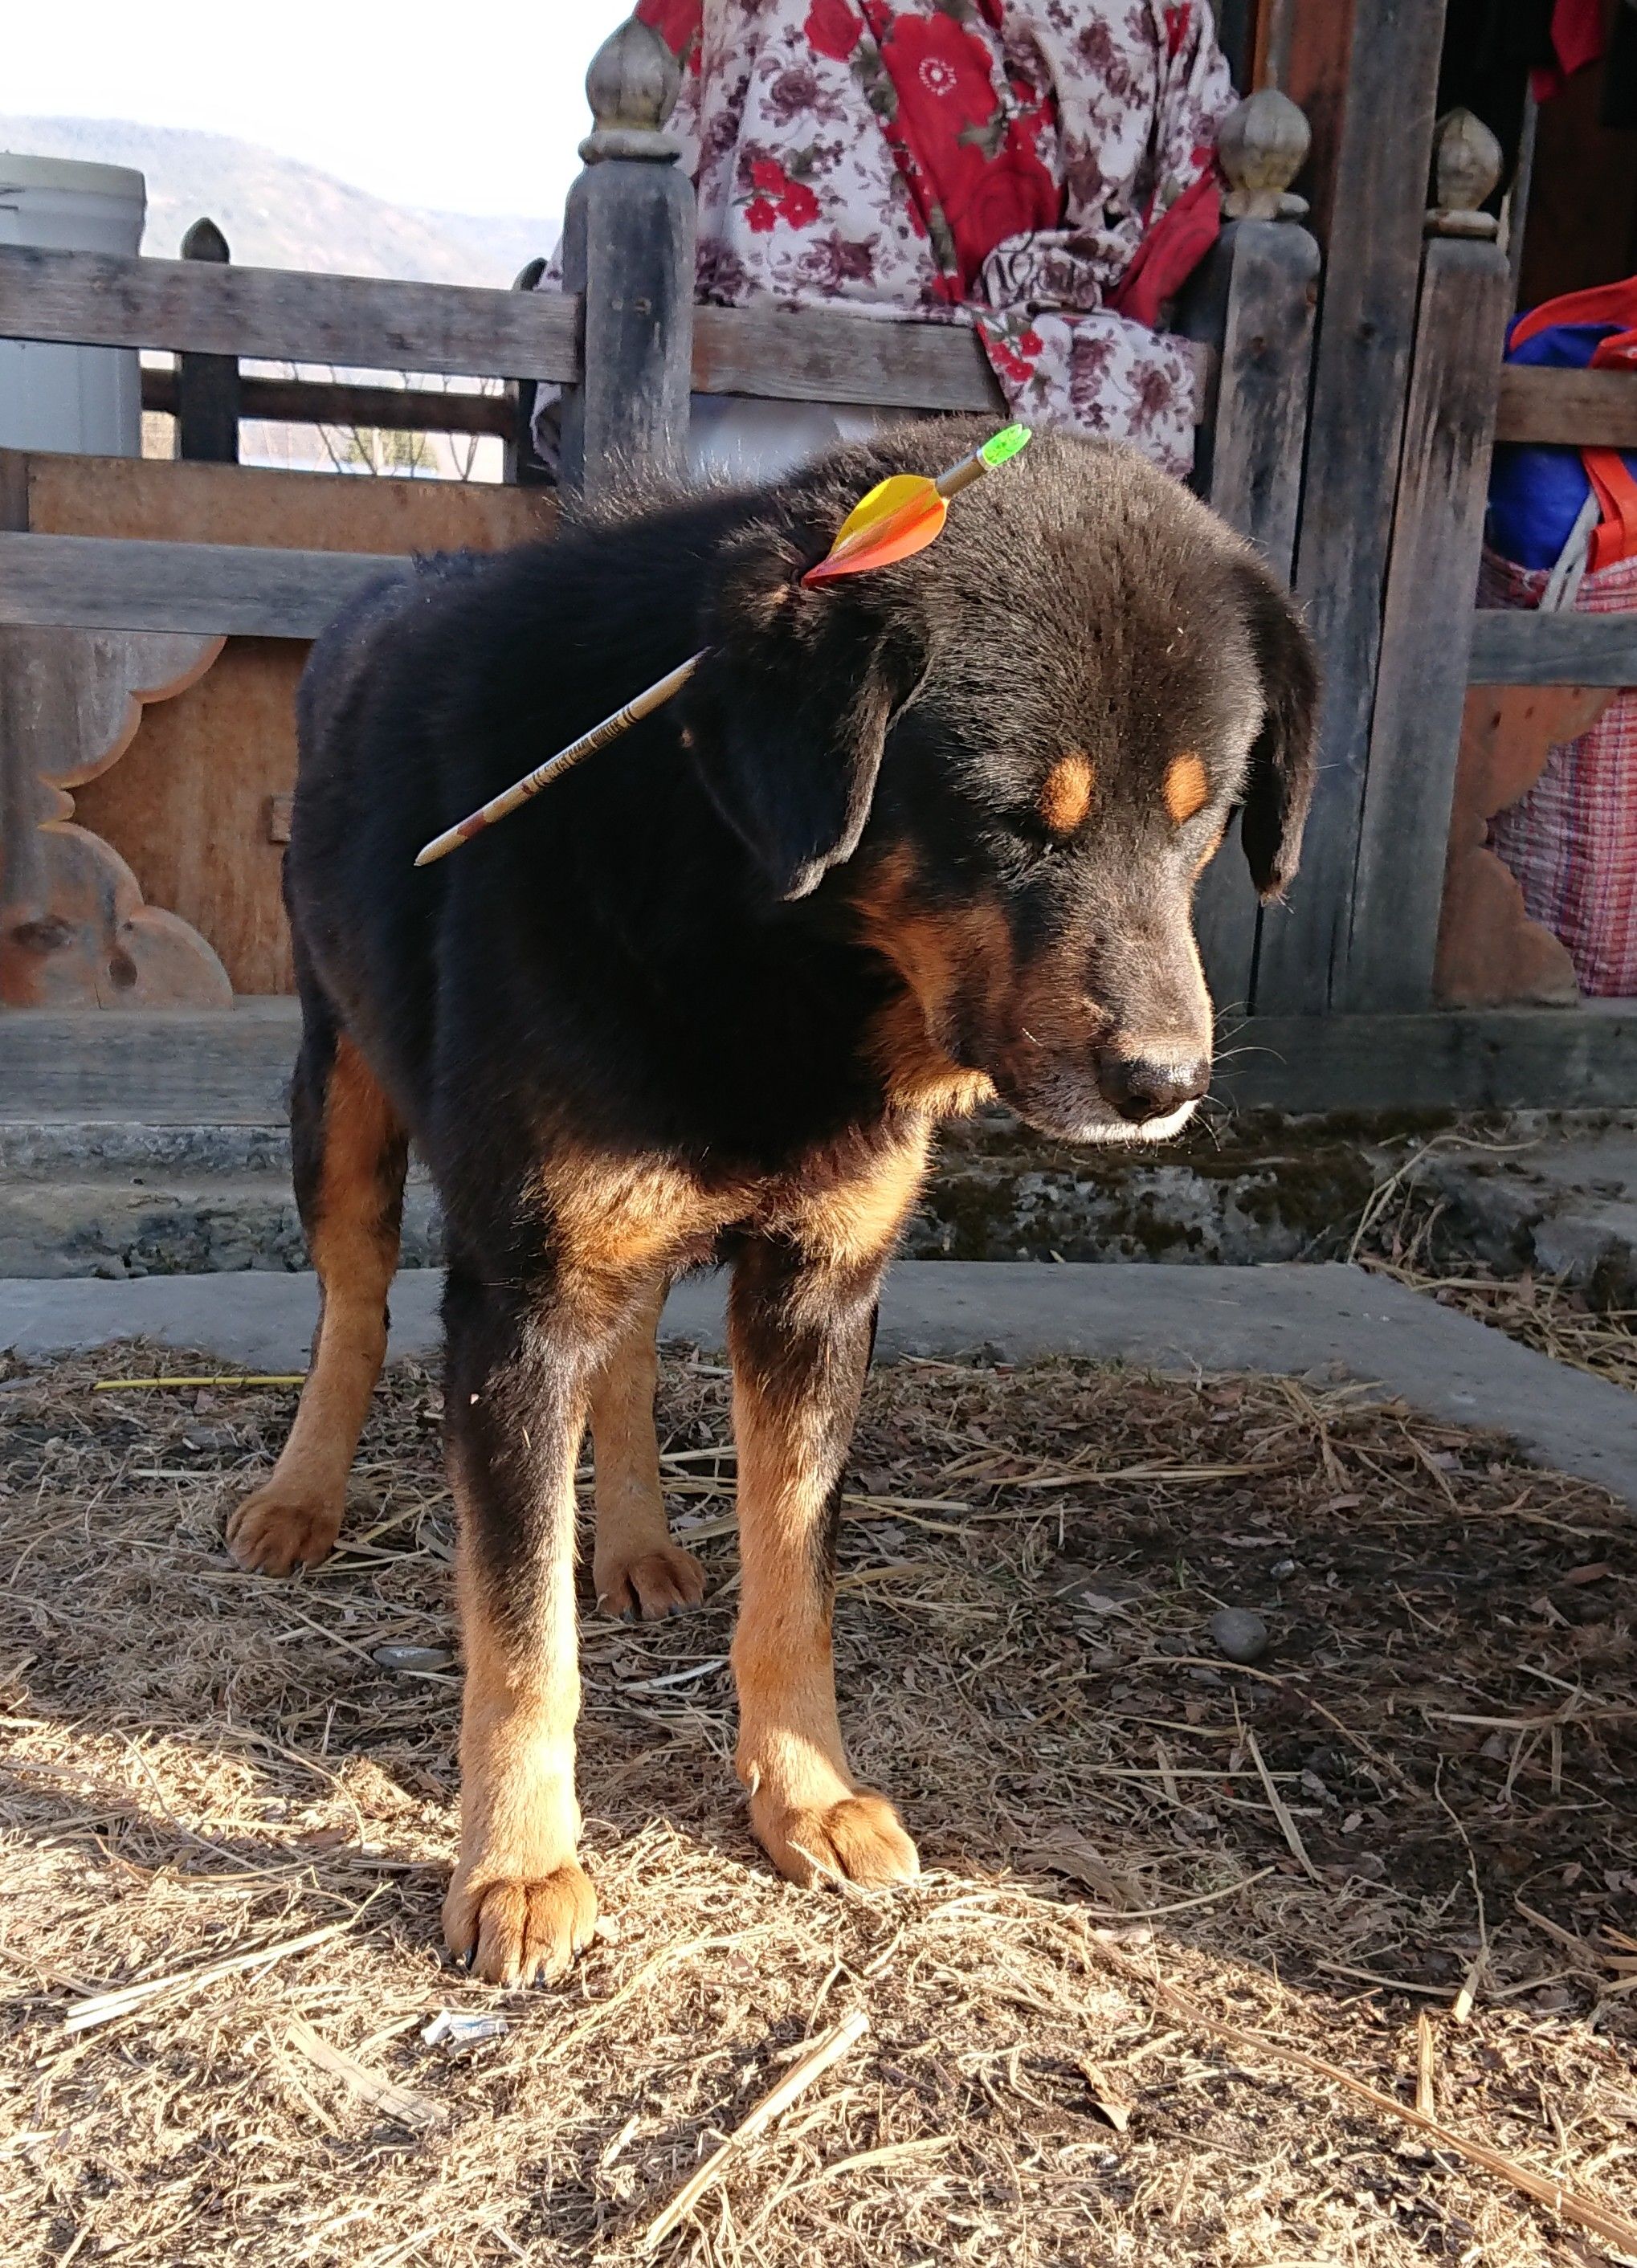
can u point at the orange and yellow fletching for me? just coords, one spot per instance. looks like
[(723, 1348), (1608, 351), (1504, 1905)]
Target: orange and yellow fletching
[(898, 518)]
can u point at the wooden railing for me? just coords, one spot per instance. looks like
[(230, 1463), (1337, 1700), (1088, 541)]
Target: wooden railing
[(627, 345), (628, 348)]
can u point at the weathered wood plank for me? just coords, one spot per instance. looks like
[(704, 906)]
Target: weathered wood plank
[(1480, 1059), (232, 1066), (229, 1067), (13, 488), (207, 385), (365, 322), (825, 355), (819, 355), (1586, 409), (1266, 350), (1366, 325), (522, 466), (1529, 649), (1255, 303), (310, 401), (92, 582), (1427, 626), (271, 314)]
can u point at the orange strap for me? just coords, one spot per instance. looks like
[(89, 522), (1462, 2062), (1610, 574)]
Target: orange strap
[(1615, 535), (1604, 303)]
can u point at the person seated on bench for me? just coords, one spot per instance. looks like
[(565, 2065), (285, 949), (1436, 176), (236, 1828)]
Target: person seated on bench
[(1044, 169)]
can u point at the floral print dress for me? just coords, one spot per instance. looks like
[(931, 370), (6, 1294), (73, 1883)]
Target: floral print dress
[(1042, 168)]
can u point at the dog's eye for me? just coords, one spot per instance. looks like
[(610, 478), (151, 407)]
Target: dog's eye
[(1065, 795), (1186, 788)]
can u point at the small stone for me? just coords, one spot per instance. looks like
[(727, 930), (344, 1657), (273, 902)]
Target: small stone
[(414, 1657), (210, 1437), (1239, 1634)]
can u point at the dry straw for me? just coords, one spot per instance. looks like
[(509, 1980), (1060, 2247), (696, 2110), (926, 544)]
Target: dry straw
[(1179, 1983)]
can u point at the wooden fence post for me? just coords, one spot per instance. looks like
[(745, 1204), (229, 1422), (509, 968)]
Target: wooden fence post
[(522, 467), (1432, 583), (1367, 324), (1254, 301), (627, 249), (207, 385)]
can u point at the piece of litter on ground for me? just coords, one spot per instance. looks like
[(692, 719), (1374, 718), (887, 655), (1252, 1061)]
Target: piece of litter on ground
[(413, 1657), (458, 2032), (1108, 2099)]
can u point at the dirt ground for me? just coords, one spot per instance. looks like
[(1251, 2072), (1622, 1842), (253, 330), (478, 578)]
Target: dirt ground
[(1403, 1232), (1179, 1917)]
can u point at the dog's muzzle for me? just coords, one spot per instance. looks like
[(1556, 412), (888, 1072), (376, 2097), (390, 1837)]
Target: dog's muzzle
[(1138, 1088)]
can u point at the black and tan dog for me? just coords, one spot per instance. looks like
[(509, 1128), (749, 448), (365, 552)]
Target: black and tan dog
[(908, 842)]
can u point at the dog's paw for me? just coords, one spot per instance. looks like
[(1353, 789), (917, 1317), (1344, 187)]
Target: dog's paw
[(276, 1529), (651, 1586), (859, 1840), (512, 1932)]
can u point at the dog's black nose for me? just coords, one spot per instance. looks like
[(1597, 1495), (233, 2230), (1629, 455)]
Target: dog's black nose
[(1140, 1088)]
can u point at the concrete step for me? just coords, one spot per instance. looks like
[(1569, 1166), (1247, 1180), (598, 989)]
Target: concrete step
[(1327, 1322), (115, 1198), (1558, 1197), (171, 1223), (108, 1198)]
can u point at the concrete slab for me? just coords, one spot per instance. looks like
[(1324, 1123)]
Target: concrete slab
[(1298, 1320)]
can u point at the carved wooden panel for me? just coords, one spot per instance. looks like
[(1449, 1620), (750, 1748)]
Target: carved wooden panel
[(75, 930), (188, 807), (1490, 953)]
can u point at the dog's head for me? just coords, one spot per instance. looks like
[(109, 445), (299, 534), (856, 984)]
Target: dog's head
[(1006, 760)]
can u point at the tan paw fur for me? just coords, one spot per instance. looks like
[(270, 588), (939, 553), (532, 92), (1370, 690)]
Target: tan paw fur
[(515, 1933), (859, 1839), (275, 1529), (650, 1585)]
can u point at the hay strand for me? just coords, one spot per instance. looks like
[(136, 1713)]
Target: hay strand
[(828, 2050)]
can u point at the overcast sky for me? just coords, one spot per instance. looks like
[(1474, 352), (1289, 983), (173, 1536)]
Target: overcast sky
[(477, 111)]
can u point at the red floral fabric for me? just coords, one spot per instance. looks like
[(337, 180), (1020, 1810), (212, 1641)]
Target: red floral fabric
[(1041, 168)]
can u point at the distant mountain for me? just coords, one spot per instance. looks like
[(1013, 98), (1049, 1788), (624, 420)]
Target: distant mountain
[(277, 212)]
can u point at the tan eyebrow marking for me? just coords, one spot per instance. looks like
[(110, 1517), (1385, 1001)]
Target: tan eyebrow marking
[(1065, 792), (1186, 789)]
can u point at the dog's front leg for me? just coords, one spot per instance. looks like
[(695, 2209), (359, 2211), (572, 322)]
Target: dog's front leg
[(800, 1337), (516, 1380), (637, 1568)]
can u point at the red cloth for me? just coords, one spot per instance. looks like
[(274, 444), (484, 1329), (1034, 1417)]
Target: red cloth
[(1042, 169), (1577, 39), (1170, 253)]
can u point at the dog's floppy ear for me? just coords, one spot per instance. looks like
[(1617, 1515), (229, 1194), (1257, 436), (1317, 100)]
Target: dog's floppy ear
[(1278, 783), (789, 713)]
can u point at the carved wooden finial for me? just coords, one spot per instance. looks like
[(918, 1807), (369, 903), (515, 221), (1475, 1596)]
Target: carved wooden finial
[(1262, 147), (632, 88), (205, 242), (1466, 165)]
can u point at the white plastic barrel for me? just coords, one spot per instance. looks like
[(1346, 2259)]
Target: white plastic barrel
[(83, 399)]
